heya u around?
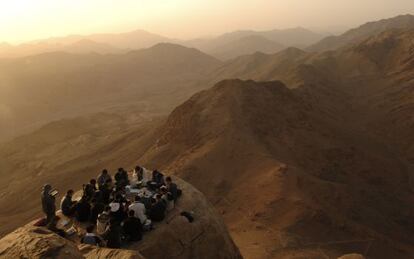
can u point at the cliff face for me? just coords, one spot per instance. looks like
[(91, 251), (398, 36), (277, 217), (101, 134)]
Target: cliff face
[(175, 237)]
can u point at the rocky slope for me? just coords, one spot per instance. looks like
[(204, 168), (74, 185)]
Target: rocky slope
[(288, 178), (329, 160)]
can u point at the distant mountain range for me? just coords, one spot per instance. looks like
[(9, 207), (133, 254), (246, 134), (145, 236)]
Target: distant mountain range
[(226, 46), (363, 32)]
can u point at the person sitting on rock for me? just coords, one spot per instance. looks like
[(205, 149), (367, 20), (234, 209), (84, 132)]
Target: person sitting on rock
[(91, 238), (112, 235), (167, 198), (139, 210), (117, 209), (90, 189), (157, 211), (68, 205), (137, 176), (172, 189), (139, 171), (106, 191), (102, 222), (121, 178), (157, 180), (48, 203), (103, 178), (97, 208), (83, 210), (132, 227)]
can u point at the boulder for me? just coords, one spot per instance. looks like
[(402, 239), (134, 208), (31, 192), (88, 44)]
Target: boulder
[(352, 256), (93, 252), (37, 242), (175, 237)]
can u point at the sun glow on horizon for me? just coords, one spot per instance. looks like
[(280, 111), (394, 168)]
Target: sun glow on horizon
[(25, 20)]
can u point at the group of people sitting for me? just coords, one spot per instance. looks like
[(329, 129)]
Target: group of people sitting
[(114, 214)]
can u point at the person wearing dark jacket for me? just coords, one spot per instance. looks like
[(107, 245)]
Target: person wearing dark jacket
[(117, 209), (89, 189), (106, 191), (132, 227), (121, 178), (97, 208), (103, 177), (83, 210), (48, 203), (113, 235), (157, 211), (157, 180), (68, 205), (172, 189)]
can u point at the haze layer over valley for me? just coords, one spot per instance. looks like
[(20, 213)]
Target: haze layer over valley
[(305, 148)]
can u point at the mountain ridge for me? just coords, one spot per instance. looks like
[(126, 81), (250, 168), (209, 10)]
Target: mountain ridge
[(362, 32)]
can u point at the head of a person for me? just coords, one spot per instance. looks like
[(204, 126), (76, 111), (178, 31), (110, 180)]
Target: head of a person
[(168, 179), (118, 197), (158, 197), (69, 193), (107, 209), (47, 188), (120, 169), (131, 213), (137, 198), (90, 228), (137, 168), (104, 172), (92, 182)]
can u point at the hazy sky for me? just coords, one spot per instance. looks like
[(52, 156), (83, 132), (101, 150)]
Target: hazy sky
[(22, 20)]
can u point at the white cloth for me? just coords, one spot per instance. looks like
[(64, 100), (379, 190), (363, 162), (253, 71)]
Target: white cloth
[(114, 206), (139, 211)]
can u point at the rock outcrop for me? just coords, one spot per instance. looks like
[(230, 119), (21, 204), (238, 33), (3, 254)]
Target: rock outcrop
[(352, 256), (175, 237)]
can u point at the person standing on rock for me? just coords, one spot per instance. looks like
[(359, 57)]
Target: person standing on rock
[(48, 203)]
